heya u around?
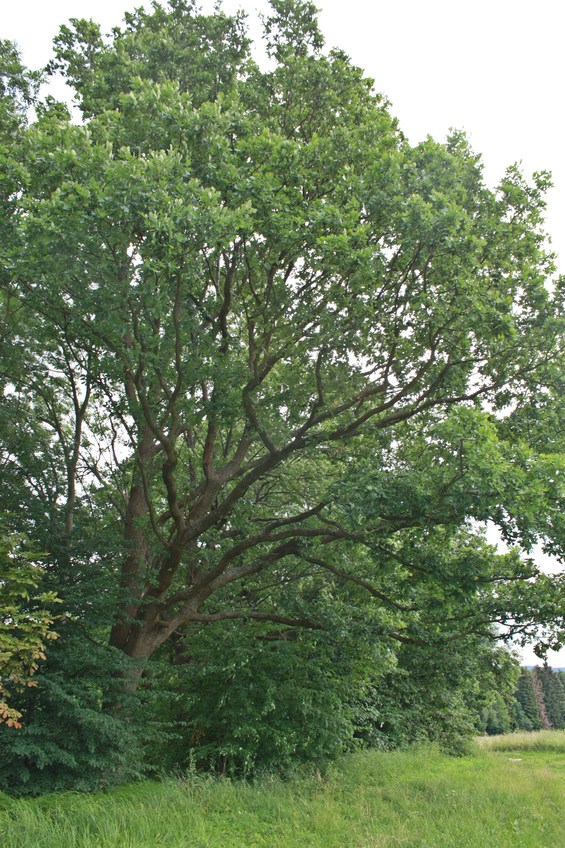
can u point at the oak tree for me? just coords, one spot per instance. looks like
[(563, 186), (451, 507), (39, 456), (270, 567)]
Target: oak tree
[(279, 354)]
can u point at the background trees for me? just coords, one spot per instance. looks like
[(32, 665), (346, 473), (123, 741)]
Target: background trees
[(279, 365)]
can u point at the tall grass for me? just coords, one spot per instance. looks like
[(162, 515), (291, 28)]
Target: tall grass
[(543, 740), (413, 799)]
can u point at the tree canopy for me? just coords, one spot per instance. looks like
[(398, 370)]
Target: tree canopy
[(264, 360)]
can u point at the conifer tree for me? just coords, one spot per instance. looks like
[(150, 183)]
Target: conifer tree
[(539, 694), (527, 710), (553, 696)]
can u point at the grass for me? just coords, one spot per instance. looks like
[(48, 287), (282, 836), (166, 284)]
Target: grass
[(499, 797), (544, 740)]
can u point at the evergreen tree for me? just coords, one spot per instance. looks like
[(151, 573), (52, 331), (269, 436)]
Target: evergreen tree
[(540, 699), (526, 711), (496, 717), (553, 696)]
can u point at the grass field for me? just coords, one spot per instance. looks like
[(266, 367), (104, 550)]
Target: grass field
[(510, 793)]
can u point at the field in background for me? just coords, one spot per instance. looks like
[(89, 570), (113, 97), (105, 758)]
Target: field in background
[(543, 740), (509, 793)]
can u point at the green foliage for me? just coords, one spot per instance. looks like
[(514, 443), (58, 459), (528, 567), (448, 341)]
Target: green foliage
[(67, 740), (527, 712), (442, 695), (251, 270), (71, 735), (26, 620), (202, 54), (292, 29), (496, 718), (18, 90), (244, 702), (266, 365), (538, 701), (553, 696)]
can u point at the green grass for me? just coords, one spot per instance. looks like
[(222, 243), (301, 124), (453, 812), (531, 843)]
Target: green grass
[(505, 798), (544, 740)]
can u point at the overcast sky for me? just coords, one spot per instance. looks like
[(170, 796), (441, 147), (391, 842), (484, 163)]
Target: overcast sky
[(494, 68)]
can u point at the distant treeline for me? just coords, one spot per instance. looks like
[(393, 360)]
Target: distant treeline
[(538, 703)]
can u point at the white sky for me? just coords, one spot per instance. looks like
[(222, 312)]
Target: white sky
[(495, 68)]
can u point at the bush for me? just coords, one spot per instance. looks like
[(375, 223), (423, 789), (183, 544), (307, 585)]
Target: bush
[(248, 702), (68, 740)]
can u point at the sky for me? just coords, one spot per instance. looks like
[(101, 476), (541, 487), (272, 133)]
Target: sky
[(494, 68)]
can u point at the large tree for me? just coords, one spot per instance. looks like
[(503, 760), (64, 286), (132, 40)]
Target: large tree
[(276, 354)]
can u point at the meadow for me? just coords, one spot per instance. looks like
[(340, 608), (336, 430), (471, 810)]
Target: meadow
[(508, 792)]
